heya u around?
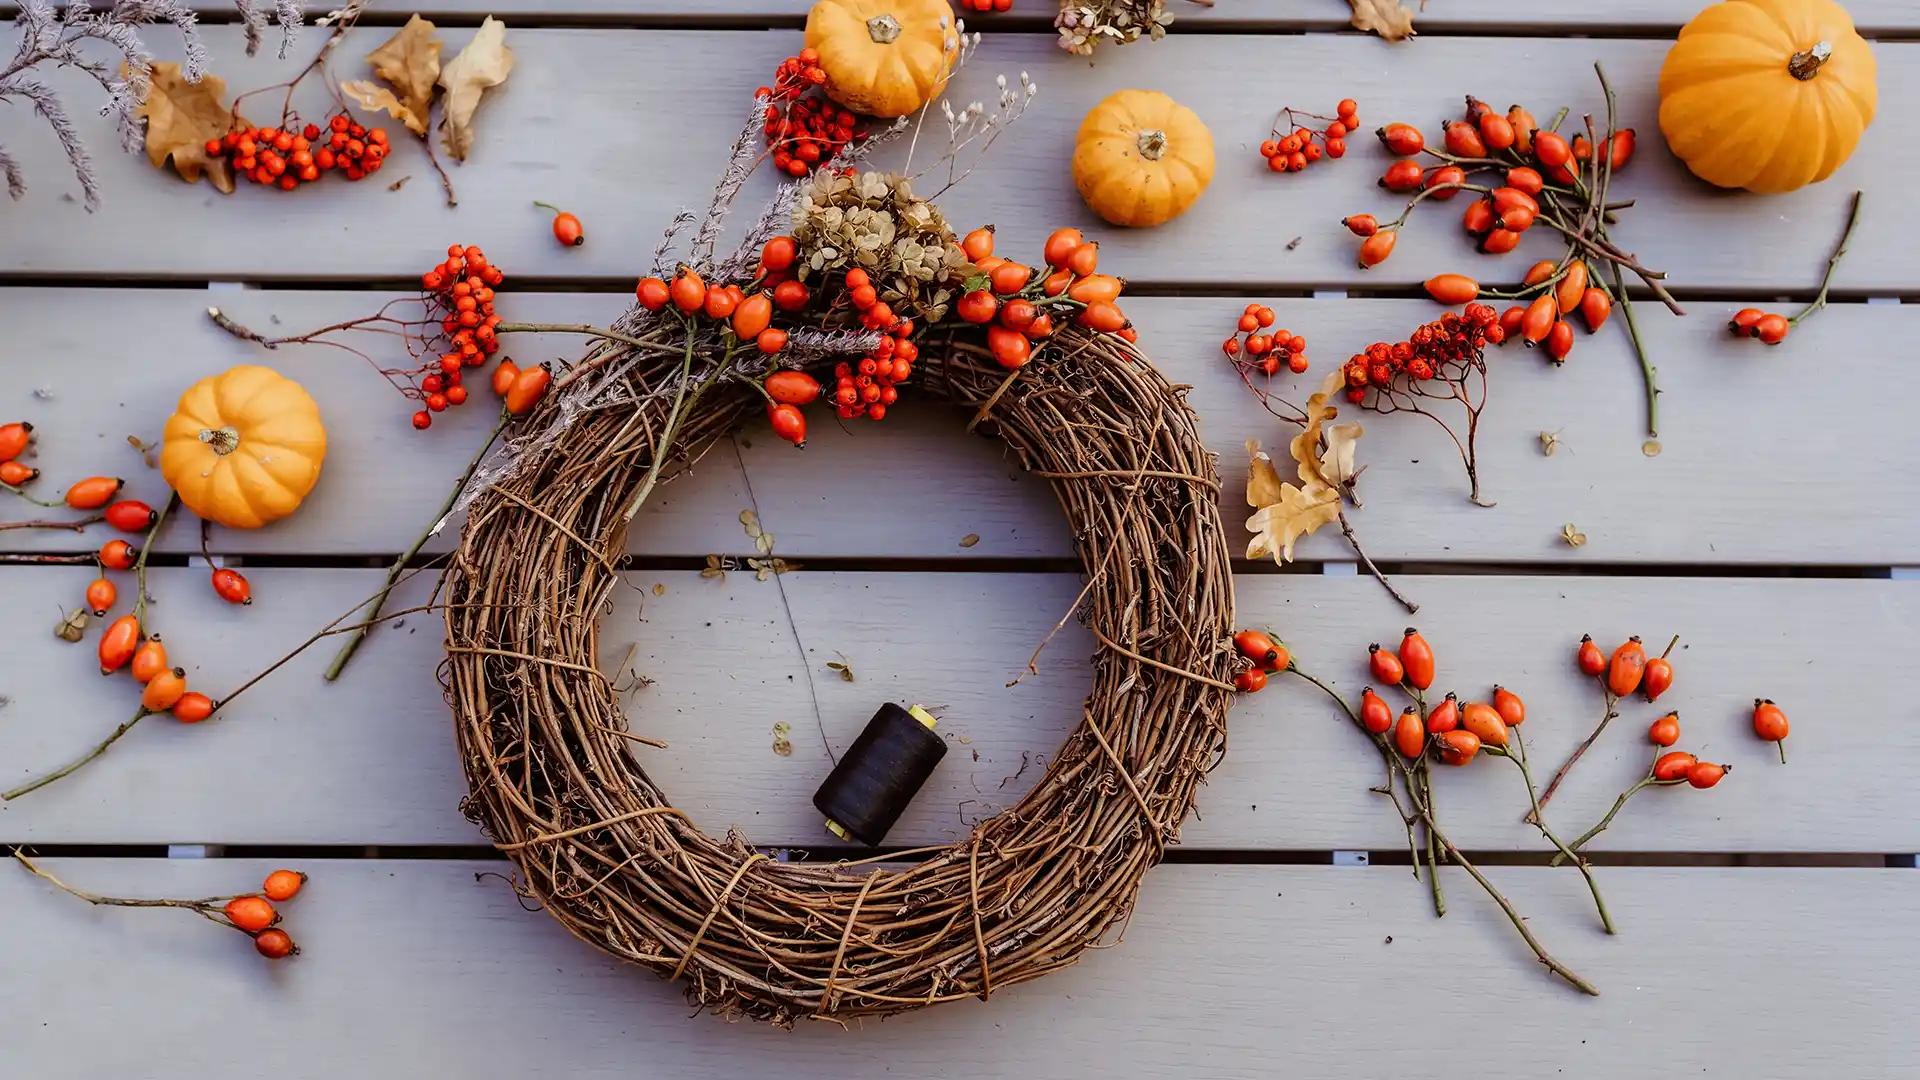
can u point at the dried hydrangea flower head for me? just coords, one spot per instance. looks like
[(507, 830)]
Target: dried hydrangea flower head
[(874, 221), (1084, 24)]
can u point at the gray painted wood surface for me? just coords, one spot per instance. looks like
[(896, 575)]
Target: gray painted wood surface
[(1775, 462), (416, 969), (1756, 467), (1617, 18), (545, 136), (370, 759)]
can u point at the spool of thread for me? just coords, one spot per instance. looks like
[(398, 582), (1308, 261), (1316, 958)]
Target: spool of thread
[(880, 774)]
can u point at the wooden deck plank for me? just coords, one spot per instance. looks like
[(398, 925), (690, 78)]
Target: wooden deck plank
[(1232, 968), (370, 760), (927, 484), (629, 189), (1622, 18)]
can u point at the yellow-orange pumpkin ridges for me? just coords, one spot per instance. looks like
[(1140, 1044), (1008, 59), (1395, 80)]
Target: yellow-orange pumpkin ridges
[(244, 447), (1767, 95), (884, 58), (1142, 158)]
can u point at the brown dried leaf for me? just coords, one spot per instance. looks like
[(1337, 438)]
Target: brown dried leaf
[(845, 669), (144, 449), (764, 543), (1336, 464), (72, 626), (181, 117), (751, 522), (1384, 17), (1283, 513), (375, 98), (716, 568), (1306, 445), (484, 63), (410, 63)]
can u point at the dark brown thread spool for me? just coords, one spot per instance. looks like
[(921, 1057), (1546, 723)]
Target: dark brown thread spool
[(880, 774)]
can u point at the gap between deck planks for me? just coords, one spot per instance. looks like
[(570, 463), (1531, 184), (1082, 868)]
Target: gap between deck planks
[(371, 760), (414, 969), (1764, 460), (545, 136)]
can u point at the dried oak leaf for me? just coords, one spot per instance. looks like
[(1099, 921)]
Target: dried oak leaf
[(181, 117), (484, 63), (1283, 513), (375, 98), (1336, 463), (1384, 17), (410, 63)]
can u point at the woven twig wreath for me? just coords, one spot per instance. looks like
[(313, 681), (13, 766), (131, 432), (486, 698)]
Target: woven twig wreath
[(595, 839)]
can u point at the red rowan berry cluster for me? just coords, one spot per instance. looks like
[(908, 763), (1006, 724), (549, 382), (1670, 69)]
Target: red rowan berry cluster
[(1291, 145), (1261, 350), (290, 156), (868, 387), (1443, 361), (460, 292), (804, 131), (1437, 350), (986, 5)]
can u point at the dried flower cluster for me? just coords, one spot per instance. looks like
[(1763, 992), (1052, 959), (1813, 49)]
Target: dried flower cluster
[(55, 39), (875, 222), (1084, 24)]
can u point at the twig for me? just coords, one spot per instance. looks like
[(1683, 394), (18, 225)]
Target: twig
[(1833, 262), (1608, 717), (1453, 853), (1520, 924), (327, 631), (1645, 782), (140, 563), (73, 766), (446, 182), (1366, 561), (1520, 760), (664, 446), (78, 525), (211, 908), (34, 499), (1649, 374), (46, 560), (1034, 660), (399, 565)]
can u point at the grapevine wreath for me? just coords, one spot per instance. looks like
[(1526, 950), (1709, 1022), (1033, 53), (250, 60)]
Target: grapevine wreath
[(545, 742)]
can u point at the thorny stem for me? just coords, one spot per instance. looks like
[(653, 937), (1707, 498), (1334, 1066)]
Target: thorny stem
[(140, 564), (1520, 761), (660, 449), (327, 631), (77, 525), (1645, 782), (1425, 812), (1354, 543), (372, 607), (73, 766), (1833, 261), (32, 498), (1561, 775), (211, 908), (1649, 374)]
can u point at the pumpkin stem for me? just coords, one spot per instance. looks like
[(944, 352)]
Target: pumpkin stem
[(1153, 144), (1806, 64), (883, 29), (223, 440)]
